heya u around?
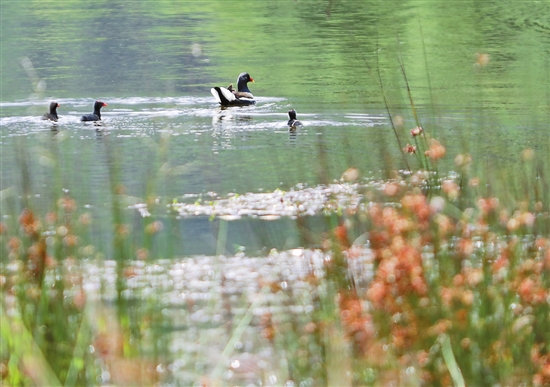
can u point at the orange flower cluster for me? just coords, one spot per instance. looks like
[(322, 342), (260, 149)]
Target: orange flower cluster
[(29, 223), (267, 327), (528, 283), (36, 253), (399, 274), (541, 358), (30, 248), (67, 204), (462, 269), (436, 150), (397, 238), (358, 325)]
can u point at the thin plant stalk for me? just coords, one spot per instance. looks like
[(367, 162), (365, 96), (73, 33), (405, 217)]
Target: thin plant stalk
[(379, 82), (427, 71)]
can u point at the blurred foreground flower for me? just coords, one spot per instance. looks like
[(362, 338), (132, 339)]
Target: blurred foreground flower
[(409, 149), (482, 60), (436, 151), (417, 131), (350, 175)]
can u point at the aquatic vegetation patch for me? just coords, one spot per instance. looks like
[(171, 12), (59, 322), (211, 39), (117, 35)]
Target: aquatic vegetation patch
[(301, 201)]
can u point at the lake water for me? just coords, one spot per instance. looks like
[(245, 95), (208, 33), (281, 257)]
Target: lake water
[(479, 75)]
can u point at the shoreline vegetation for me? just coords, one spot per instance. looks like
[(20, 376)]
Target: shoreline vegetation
[(422, 279)]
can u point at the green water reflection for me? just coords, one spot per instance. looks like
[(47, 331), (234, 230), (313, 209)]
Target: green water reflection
[(314, 51)]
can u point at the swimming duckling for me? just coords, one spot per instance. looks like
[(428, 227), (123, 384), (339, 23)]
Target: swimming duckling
[(52, 115), (293, 123), (96, 115)]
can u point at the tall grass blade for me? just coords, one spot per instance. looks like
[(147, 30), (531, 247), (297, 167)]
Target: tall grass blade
[(380, 84), (427, 71), (450, 360), (222, 237), (23, 347), (77, 361)]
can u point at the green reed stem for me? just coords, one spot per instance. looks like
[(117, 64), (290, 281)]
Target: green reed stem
[(427, 72), (380, 84), (222, 237), (78, 358), (450, 360), (424, 161)]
